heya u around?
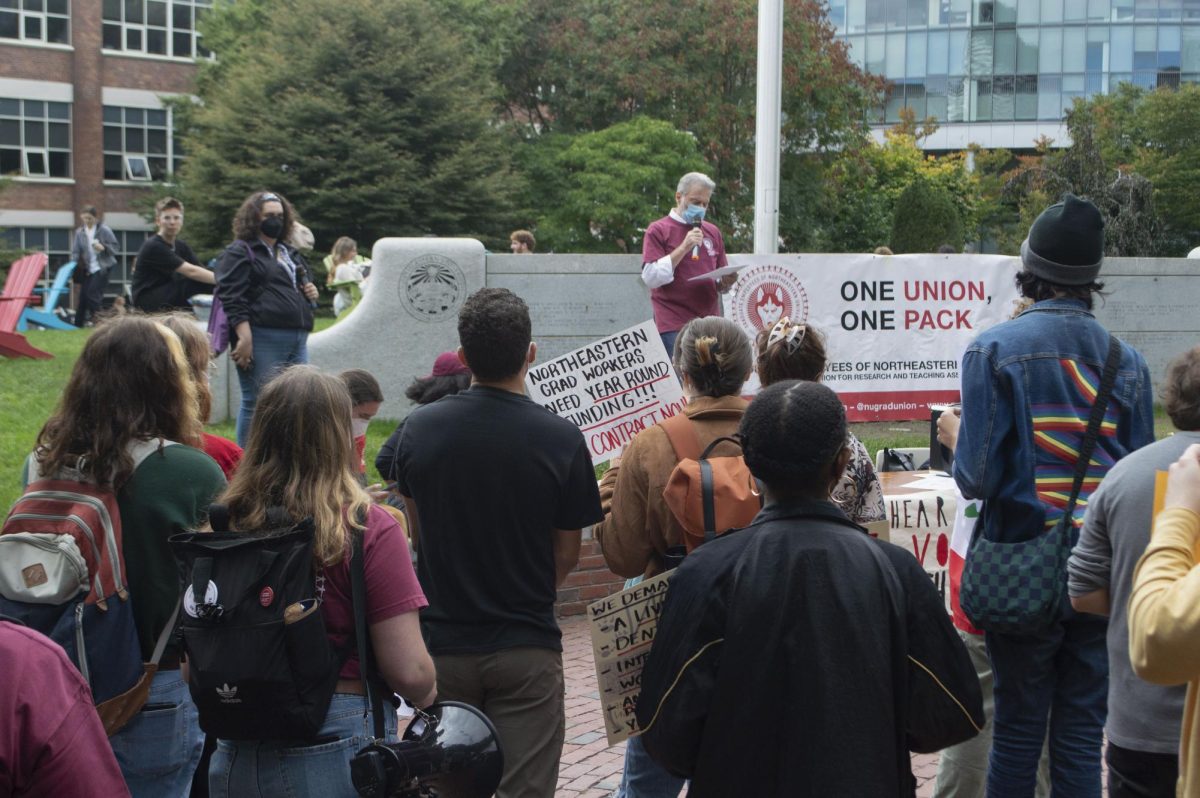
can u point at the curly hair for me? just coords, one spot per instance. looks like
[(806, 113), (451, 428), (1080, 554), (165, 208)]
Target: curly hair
[(791, 433), (1181, 391), (299, 457), (424, 390), (1033, 287), (248, 217), (131, 382), (775, 364), (494, 331), (715, 355)]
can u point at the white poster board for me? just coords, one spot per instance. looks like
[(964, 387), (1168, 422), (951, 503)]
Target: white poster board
[(895, 327), (611, 389), (923, 523), (623, 627)]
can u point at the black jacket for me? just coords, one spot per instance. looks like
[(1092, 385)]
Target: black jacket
[(259, 290), (800, 657)]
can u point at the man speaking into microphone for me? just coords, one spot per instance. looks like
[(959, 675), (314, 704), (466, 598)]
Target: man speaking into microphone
[(678, 247)]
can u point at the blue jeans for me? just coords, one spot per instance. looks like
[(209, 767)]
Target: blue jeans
[(1057, 678), (278, 769), (643, 777), (668, 340), (159, 749), (274, 350)]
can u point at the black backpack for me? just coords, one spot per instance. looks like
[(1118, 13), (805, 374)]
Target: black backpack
[(260, 664)]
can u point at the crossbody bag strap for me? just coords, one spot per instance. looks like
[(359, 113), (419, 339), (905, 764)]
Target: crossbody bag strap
[(1099, 408), (366, 663), (165, 636)]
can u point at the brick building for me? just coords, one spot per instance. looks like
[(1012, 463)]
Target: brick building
[(82, 120)]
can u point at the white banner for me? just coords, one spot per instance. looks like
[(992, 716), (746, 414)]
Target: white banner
[(895, 326), (611, 389)]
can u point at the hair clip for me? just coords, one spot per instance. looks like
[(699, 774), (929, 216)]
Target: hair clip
[(790, 334)]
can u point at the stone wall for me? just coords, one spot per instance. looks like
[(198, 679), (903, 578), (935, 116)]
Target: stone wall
[(408, 315)]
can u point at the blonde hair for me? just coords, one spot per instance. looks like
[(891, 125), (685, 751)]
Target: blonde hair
[(197, 352), (342, 249), (299, 457)]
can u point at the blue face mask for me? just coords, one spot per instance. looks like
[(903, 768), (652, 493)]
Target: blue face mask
[(694, 213)]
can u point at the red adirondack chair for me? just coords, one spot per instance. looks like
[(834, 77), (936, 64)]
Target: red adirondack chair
[(18, 292)]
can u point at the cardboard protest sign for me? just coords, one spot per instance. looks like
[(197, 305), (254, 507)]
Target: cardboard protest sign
[(611, 389), (623, 627), (895, 327), (923, 523)]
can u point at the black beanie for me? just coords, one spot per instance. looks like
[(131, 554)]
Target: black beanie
[(1066, 243)]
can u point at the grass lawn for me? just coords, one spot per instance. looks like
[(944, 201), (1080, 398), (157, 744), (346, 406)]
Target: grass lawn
[(29, 390)]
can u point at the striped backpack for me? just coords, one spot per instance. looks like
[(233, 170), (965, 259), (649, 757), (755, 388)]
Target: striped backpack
[(62, 573)]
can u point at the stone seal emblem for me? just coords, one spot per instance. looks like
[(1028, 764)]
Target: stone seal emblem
[(432, 288), (765, 294)]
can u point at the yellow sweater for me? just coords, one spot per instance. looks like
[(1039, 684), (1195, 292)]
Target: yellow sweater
[(1164, 625)]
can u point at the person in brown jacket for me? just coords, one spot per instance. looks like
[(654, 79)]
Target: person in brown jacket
[(713, 359)]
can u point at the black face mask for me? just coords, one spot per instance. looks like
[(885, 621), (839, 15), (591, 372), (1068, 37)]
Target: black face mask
[(271, 227)]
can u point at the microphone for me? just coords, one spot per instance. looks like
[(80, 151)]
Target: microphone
[(696, 249), (303, 280)]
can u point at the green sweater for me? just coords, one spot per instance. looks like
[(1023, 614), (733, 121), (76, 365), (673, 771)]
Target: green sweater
[(167, 494)]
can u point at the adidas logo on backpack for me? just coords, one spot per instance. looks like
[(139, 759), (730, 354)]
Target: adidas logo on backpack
[(62, 573), (228, 694)]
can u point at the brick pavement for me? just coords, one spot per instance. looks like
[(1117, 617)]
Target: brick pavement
[(590, 769)]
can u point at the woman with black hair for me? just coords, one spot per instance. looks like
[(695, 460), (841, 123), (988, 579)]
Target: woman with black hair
[(799, 656)]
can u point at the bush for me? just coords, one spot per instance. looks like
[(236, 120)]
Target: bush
[(925, 219)]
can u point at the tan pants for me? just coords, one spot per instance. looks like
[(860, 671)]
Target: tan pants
[(521, 692)]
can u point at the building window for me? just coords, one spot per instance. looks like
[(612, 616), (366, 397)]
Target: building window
[(128, 244), (35, 138), (54, 241), (155, 27), (43, 21), (138, 144)]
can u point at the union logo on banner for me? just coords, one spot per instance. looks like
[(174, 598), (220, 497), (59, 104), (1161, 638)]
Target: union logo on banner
[(764, 294)]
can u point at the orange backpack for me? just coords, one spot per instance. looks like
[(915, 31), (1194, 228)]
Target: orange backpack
[(707, 495)]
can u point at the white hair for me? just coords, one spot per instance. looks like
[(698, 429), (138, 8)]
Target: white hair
[(692, 178)]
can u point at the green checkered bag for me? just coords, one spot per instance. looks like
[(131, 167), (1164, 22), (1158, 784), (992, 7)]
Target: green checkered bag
[(1021, 588)]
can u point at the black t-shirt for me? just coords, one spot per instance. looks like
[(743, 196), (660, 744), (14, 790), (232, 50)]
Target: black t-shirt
[(492, 474), (155, 284)]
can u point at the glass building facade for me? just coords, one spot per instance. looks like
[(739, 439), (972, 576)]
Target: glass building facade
[(1014, 61)]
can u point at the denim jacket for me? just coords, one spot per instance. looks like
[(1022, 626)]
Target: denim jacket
[(1027, 390)]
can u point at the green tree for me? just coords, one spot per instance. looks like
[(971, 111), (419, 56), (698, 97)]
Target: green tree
[(864, 183), (1168, 155), (614, 183), (925, 219), (584, 65), (1125, 199), (372, 116)]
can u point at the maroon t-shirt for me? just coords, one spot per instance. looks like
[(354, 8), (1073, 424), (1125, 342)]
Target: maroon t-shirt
[(680, 301), (51, 739), (392, 587)]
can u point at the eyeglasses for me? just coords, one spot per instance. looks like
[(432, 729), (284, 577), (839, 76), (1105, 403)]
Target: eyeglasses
[(269, 197)]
